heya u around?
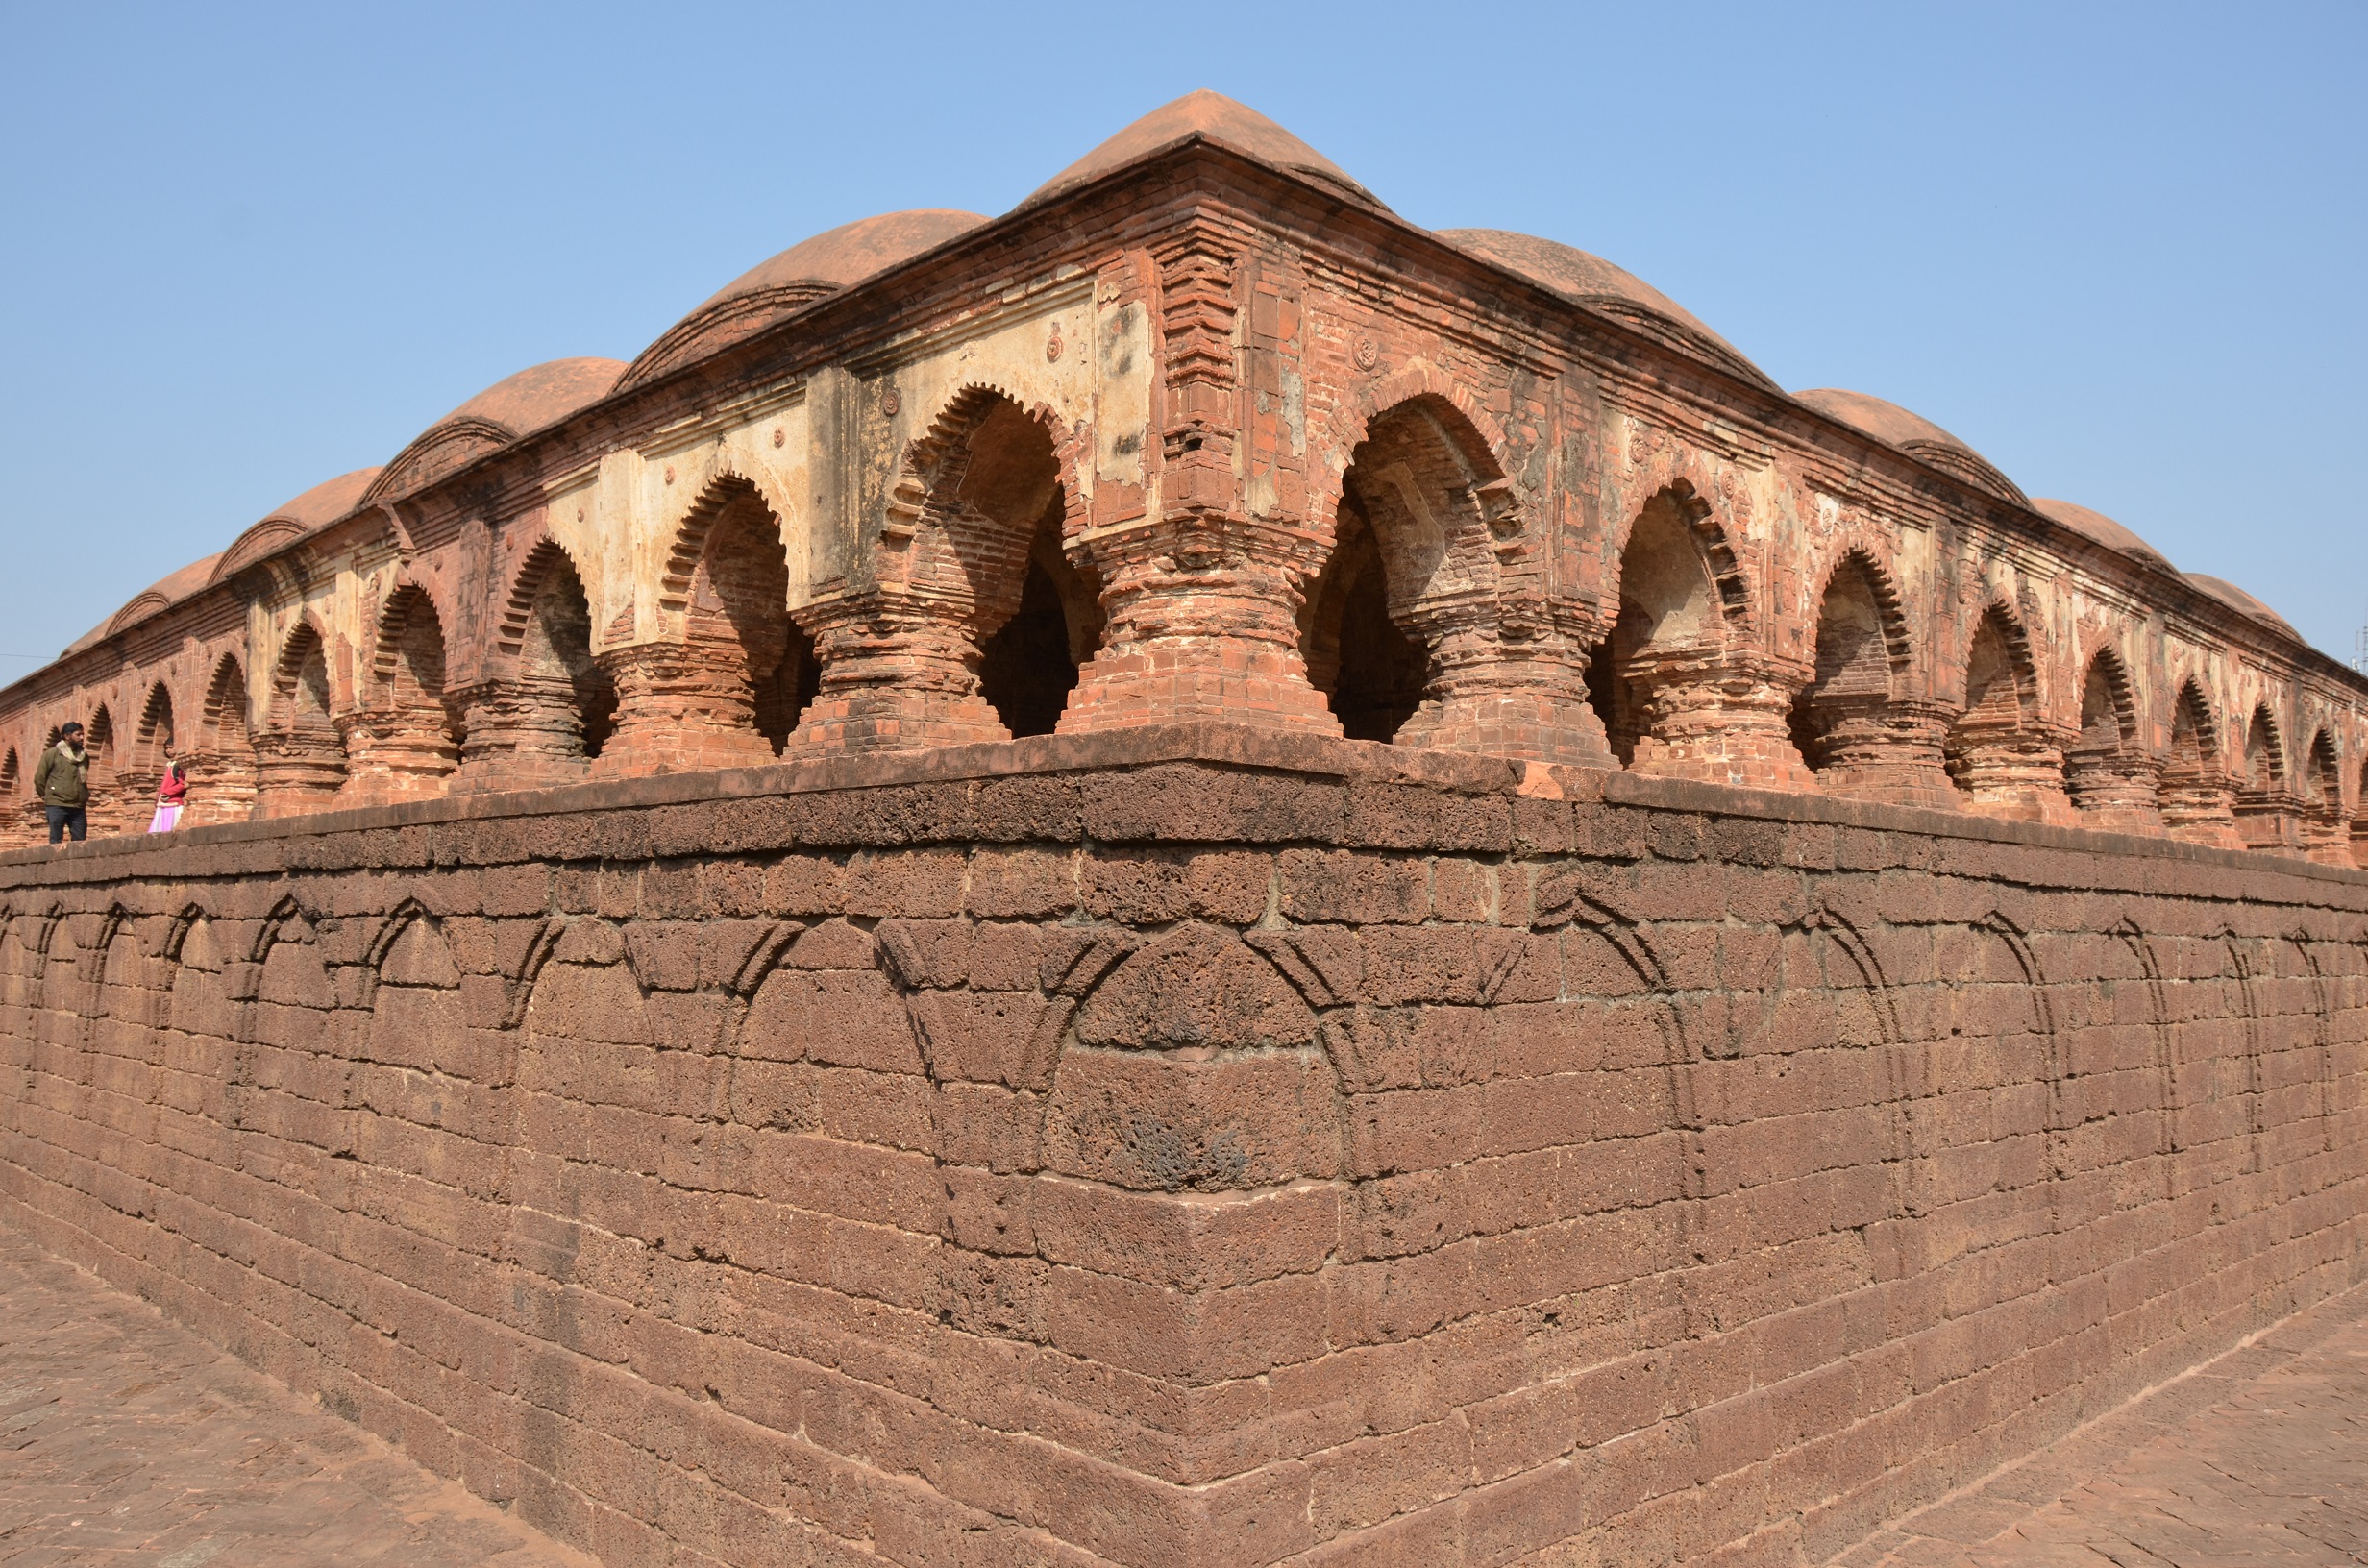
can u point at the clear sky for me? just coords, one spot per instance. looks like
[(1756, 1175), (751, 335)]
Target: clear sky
[(2118, 249)]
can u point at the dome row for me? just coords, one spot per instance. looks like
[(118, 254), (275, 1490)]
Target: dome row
[(839, 259)]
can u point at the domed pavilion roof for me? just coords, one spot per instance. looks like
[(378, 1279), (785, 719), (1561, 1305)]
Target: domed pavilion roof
[(1213, 117), (2235, 598), (2103, 530), (1915, 434)]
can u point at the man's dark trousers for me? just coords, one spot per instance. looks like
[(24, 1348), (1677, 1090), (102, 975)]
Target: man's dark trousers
[(64, 819)]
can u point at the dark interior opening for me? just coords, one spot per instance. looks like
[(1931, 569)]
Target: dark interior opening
[(781, 694), (1029, 666), (1382, 670)]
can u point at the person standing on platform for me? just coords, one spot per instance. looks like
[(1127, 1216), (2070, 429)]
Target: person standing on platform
[(61, 783)]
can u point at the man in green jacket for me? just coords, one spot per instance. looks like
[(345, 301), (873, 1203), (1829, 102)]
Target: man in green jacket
[(61, 781)]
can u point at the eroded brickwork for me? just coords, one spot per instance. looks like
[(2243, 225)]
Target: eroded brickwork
[(1072, 1152)]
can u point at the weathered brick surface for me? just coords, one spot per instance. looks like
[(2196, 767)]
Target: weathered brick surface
[(1192, 1145)]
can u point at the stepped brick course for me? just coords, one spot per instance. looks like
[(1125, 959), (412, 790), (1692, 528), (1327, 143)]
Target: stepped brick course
[(1192, 1145)]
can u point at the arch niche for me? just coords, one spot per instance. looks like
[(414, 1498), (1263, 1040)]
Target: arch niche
[(1853, 724), (1404, 631), (413, 743), (2001, 754), (300, 756), (2111, 780), (2269, 807), (2197, 795), (106, 808), (222, 766), (2325, 833), (977, 622), (554, 708), (1681, 688)]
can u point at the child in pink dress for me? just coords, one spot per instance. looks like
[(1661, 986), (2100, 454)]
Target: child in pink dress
[(169, 795)]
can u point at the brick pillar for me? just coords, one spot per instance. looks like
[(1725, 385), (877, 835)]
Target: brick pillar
[(1203, 623), (1721, 716), (297, 773), (1507, 686), (1880, 749), (2012, 769), (2271, 820), (2198, 807), (396, 756), (2327, 838), (682, 707), (2111, 787), (520, 735), (898, 672), (221, 787)]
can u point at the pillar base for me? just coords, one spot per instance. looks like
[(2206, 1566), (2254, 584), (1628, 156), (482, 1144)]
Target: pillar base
[(899, 673), (1715, 717), (680, 708), (1895, 752)]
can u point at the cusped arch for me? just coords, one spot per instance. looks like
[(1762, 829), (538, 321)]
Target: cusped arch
[(1731, 585), (153, 739), (1869, 561), (959, 531), (406, 597), (1486, 449), (724, 481), (304, 642), (2108, 695), (534, 573)]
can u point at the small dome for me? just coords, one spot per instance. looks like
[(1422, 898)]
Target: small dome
[(2101, 528), (540, 395), (292, 519), (2235, 598), (1913, 435), (807, 271), (1611, 290), (155, 597), (512, 406), (1213, 117)]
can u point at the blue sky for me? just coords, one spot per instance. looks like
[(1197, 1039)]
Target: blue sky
[(2115, 248)]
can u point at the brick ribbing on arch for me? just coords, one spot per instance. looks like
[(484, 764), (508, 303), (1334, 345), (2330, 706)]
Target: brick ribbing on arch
[(1192, 1145)]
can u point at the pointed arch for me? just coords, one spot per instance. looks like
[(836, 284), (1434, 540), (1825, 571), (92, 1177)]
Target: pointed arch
[(1998, 751), (414, 734), (155, 741), (2272, 799), (300, 757), (1843, 721), (2111, 780), (558, 706), (1422, 511), (2197, 795), (2266, 767)]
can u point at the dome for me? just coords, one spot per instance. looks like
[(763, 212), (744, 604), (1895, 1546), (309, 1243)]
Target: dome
[(1609, 290), (155, 597), (512, 406), (1913, 435), (291, 520), (2235, 598), (2102, 529), (798, 277), (1213, 117)]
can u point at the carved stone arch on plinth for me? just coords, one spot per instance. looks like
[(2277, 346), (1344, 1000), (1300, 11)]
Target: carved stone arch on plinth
[(2004, 753), (1428, 624), (2198, 789), (976, 612), (543, 706), (1861, 724), (300, 755), (403, 738)]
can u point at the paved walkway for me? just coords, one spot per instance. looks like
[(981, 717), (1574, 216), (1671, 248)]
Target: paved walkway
[(2258, 1457), (127, 1442)]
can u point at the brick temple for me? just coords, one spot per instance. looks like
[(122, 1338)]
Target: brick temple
[(1194, 876)]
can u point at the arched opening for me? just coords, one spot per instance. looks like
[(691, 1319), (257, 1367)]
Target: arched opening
[(154, 745), (2359, 822), (1848, 724), (570, 703), (2197, 795), (1677, 694), (2325, 836), (222, 769), (998, 502), (1997, 754), (1370, 673), (414, 740), (301, 760), (2110, 778), (731, 692), (15, 823), (106, 808), (979, 623), (1029, 666), (2269, 808)]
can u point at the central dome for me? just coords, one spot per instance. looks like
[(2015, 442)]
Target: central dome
[(807, 271), (1220, 119)]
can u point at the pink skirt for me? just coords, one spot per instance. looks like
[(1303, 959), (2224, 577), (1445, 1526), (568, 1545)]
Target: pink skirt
[(168, 813)]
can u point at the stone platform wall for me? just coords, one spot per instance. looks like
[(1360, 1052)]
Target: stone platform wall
[(1184, 1146)]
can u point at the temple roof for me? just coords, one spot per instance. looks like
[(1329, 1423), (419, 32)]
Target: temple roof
[(1913, 435), (1598, 284), (1217, 119), (795, 277)]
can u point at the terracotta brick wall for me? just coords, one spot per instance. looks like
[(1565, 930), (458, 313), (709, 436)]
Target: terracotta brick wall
[(1185, 1146)]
